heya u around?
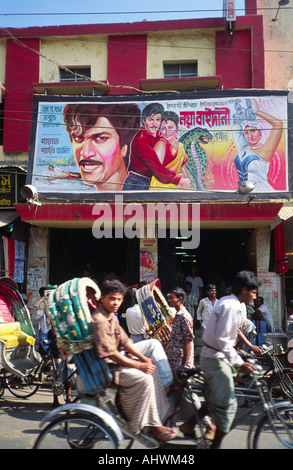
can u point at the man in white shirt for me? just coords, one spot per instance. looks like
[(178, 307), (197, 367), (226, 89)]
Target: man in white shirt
[(190, 300), (196, 282), (135, 323), (263, 313), (218, 354), (206, 305)]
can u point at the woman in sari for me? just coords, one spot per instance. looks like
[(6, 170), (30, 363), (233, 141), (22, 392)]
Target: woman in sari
[(171, 153)]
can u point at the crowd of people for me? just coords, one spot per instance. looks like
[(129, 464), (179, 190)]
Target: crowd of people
[(145, 370)]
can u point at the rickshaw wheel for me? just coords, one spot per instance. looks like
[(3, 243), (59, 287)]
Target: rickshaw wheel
[(77, 431), (2, 383), (21, 388)]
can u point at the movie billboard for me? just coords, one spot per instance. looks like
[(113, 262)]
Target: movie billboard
[(204, 144)]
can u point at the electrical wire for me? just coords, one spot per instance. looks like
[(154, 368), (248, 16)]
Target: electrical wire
[(62, 124), (155, 12), (173, 46)]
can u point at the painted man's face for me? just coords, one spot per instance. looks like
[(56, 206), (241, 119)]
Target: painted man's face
[(153, 123), (97, 152)]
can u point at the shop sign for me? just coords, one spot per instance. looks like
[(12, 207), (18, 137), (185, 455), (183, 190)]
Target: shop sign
[(83, 146), (7, 190)]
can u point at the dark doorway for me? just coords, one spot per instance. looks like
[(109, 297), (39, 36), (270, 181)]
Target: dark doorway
[(221, 253), (71, 249)]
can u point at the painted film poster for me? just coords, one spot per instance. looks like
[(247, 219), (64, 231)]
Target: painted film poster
[(210, 144)]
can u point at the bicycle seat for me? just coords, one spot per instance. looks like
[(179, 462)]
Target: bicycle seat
[(187, 372)]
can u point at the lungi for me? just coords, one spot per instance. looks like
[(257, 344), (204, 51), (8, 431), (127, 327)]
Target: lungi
[(142, 396), (219, 391)]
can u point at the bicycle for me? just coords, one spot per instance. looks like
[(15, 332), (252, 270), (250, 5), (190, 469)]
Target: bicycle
[(279, 377), (101, 425), (98, 422), (48, 373)]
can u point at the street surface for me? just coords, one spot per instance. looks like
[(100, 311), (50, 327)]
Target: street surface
[(20, 419)]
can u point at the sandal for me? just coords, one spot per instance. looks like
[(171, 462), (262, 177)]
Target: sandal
[(163, 437), (190, 435), (172, 388)]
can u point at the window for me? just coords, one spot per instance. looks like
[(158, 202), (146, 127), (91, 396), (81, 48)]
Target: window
[(186, 69), (73, 76)]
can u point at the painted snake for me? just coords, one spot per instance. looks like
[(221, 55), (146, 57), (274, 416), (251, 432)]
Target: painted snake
[(197, 156)]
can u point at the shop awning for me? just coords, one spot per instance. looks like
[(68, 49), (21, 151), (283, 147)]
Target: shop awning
[(79, 215), (286, 211), (7, 216)]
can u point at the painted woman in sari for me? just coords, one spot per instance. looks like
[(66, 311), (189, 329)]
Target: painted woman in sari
[(171, 153), (254, 152)]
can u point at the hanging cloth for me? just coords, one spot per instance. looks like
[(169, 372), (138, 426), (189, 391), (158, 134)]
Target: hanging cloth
[(280, 250)]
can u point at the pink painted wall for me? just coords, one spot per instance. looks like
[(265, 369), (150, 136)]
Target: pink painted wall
[(233, 59), (127, 62), (22, 69)]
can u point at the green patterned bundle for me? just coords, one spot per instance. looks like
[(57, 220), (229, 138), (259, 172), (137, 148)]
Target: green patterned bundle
[(69, 307)]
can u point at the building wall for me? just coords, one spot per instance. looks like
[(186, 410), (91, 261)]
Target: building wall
[(269, 281), (73, 52), (179, 46), (126, 62), (278, 41), (2, 60), (22, 69), (38, 262), (230, 53)]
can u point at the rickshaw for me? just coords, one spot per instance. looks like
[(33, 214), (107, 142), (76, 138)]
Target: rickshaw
[(97, 421), (18, 356)]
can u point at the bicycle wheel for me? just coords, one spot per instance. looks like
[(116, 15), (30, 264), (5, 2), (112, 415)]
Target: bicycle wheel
[(21, 387), (2, 386), (281, 437), (78, 431), (281, 386)]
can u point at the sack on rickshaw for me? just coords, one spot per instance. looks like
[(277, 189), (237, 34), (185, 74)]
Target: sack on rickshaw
[(155, 311), (70, 306)]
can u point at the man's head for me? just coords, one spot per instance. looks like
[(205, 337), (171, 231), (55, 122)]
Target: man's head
[(176, 297), (187, 287), (101, 135), (258, 301), (112, 295), (193, 270), (245, 285), (151, 117), (289, 306), (211, 290), (42, 291)]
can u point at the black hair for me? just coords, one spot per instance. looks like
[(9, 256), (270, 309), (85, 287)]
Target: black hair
[(260, 298), (42, 291), (244, 279), (125, 118), (187, 283), (210, 286), (113, 286), (170, 116), (289, 304), (178, 291), (150, 109)]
